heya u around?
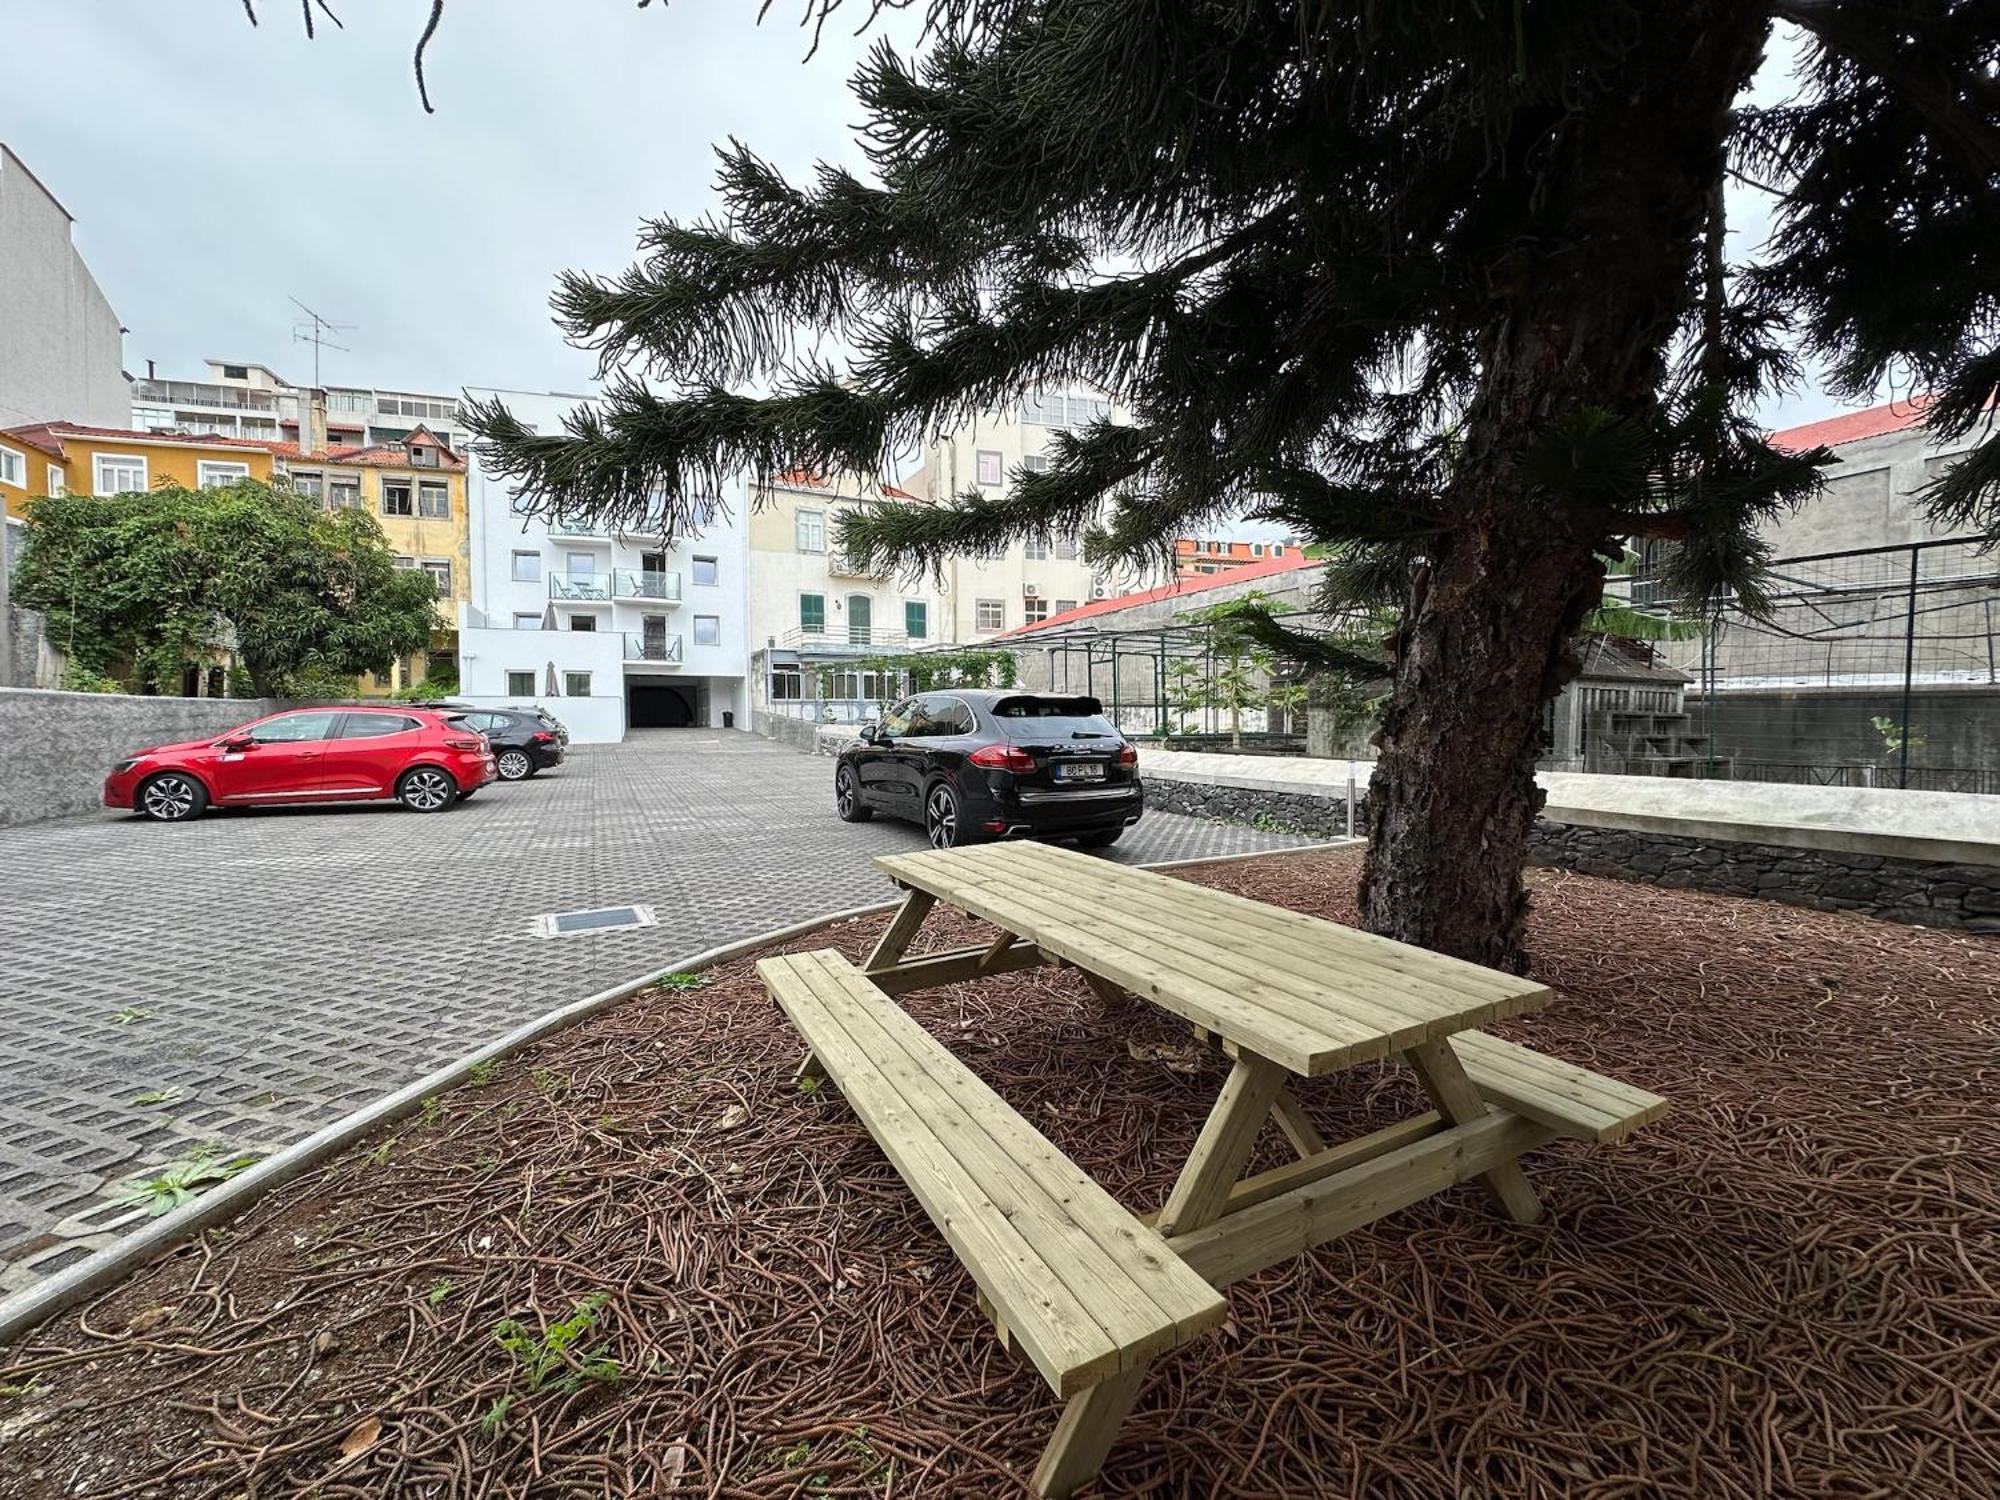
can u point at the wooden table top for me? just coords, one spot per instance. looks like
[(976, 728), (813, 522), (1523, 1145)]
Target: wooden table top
[(1311, 995)]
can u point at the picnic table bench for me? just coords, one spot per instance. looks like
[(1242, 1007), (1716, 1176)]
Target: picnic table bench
[(1088, 1290)]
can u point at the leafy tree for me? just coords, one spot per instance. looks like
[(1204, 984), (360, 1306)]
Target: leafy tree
[(153, 581), (1439, 286)]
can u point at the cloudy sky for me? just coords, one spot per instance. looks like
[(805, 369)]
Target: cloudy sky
[(216, 170)]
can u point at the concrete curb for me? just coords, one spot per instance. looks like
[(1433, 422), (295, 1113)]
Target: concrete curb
[(27, 1310)]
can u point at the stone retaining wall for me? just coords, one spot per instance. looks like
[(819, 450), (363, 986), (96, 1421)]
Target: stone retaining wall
[(1898, 890), (56, 747), (794, 732)]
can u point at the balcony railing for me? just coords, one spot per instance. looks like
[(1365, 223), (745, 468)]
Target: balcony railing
[(652, 647), (840, 565), (591, 588), (647, 584), (854, 638), (579, 529), (200, 393)]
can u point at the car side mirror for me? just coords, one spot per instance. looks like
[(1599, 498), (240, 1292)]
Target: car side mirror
[(870, 732), (235, 742)]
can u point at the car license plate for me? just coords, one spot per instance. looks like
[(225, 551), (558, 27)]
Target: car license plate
[(1090, 770)]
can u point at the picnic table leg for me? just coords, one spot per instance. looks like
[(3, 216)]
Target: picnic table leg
[(1088, 1427), (1301, 1132), (1223, 1146), (895, 940), (1443, 1078)]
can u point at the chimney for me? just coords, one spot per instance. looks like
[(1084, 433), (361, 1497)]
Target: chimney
[(312, 421), (149, 371)]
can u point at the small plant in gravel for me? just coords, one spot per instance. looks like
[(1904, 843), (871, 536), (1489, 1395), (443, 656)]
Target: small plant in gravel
[(684, 982), (156, 1098), (128, 1015), (481, 1073), (550, 1084), (496, 1416), (177, 1182), (432, 1110), (438, 1293), (22, 1390), (378, 1155), (556, 1357)]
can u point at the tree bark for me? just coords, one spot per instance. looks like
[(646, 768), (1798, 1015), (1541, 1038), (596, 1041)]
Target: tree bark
[(1613, 203)]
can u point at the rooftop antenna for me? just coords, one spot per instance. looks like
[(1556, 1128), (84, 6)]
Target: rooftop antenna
[(313, 329)]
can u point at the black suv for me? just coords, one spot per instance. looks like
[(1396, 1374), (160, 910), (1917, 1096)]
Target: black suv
[(524, 740), (972, 765)]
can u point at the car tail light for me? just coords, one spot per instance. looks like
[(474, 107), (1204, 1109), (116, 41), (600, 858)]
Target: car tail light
[(463, 742), (1127, 756), (542, 737), (1003, 758)]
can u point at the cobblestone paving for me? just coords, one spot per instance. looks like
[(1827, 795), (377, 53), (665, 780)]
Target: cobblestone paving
[(246, 979)]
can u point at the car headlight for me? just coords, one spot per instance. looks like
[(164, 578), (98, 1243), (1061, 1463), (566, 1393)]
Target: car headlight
[(125, 765)]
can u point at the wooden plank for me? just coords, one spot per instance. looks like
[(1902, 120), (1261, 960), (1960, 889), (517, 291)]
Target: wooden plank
[(1202, 1189), (1002, 945), (1244, 1243), (896, 937), (1568, 1099), (1101, 1270), (952, 967), (1105, 990), (1006, 1267), (1300, 1131), (1084, 1434), (1323, 956), (1051, 926), (1296, 1174), (1287, 1028), (1438, 1069)]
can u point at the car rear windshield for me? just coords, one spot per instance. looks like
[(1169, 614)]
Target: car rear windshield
[(1053, 718)]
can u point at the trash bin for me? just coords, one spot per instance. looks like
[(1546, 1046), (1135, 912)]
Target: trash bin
[(728, 718)]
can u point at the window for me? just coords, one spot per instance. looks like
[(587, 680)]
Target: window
[(58, 481), (1036, 550), (1034, 609), (1052, 409), (396, 499), (210, 475), (406, 562), (118, 473), (1256, 549), (423, 458), (812, 531), (708, 630), (14, 468), (312, 486), (812, 614), (1064, 606), (584, 623), (374, 726), (916, 619), (294, 729), (520, 684), (1066, 548), (788, 683), (235, 372), (344, 493), (989, 614), (705, 571), (440, 572), (527, 567), (1036, 463), (527, 622), (434, 500), (989, 468), (897, 721), (576, 684), (1277, 549)]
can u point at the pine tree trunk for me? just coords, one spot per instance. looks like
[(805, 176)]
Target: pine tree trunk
[(1613, 207)]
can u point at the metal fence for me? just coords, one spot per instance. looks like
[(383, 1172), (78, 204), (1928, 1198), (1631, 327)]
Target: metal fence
[(1876, 667)]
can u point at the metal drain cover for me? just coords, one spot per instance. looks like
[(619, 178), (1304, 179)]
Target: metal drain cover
[(597, 919)]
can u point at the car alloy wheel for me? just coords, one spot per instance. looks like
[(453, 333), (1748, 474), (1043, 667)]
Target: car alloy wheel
[(427, 790), (941, 818), (171, 799), (847, 797), (515, 765)]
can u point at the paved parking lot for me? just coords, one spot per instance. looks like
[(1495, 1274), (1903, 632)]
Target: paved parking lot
[(258, 974)]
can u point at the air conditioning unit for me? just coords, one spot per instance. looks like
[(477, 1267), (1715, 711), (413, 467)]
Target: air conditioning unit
[(1030, 589)]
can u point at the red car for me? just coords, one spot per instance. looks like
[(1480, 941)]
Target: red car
[(308, 755)]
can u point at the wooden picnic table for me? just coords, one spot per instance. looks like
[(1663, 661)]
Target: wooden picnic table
[(1090, 1292)]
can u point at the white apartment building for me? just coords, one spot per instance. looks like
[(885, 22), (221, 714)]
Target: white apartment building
[(62, 350), (609, 630), (1029, 581), (816, 615), (243, 399)]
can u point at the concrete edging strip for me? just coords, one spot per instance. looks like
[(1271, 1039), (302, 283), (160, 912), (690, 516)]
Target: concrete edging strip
[(28, 1309)]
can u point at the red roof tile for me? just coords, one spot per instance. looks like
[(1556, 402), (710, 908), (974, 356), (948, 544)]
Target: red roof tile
[(1194, 585), (132, 435), (1853, 426), (35, 435)]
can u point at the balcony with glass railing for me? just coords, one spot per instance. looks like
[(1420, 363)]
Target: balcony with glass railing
[(581, 588), (657, 587), (189, 393), (579, 530), (653, 647)]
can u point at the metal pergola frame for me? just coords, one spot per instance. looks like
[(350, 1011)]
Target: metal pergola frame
[(1156, 645)]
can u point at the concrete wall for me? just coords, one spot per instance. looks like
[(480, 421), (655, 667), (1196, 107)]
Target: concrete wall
[(61, 351), (55, 748)]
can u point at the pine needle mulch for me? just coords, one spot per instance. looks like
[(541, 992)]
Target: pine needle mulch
[(639, 1262)]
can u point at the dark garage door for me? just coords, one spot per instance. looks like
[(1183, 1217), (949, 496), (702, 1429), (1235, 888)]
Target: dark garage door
[(658, 706)]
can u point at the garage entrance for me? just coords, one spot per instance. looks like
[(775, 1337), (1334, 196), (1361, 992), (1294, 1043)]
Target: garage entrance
[(658, 705)]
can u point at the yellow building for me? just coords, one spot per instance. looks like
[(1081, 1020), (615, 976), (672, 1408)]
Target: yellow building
[(55, 458), (415, 490)]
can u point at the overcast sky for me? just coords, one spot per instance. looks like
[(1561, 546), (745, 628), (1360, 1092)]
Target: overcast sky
[(216, 170)]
